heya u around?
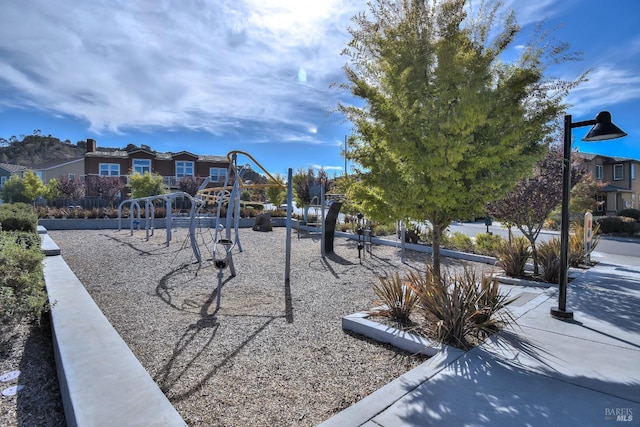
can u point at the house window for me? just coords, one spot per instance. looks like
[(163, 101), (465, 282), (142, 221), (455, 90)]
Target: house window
[(633, 200), (142, 165), (71, 176), (184, 168), (599, 172), (618, 172), (3, 179), (633, 171), (109, 169), (217, 174)]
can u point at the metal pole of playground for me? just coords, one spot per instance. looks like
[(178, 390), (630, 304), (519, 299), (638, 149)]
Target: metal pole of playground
[(322, 249), (287, 265)]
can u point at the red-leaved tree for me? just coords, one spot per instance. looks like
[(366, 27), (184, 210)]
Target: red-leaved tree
[(529, 204), (71, 189)]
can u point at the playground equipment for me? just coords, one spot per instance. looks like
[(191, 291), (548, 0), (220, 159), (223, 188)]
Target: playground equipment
[(229, 195), (149, 212), (224, 241)]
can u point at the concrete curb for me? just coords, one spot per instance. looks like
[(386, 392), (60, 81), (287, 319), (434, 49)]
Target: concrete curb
[(101, 381), (360, 324)]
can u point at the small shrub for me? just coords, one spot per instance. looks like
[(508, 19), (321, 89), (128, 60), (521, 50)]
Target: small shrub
[(630, 213), (461, 242), (22, 292), (616, 225), (255, 205), (379, 229), (488, 244), (18, 217), (445, 238), (551, 224), (159, 212), (513, 256), (396, 299), (94, 213), (549, 260)]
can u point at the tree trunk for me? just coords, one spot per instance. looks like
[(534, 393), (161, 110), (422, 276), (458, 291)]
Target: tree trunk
[(438, 229)]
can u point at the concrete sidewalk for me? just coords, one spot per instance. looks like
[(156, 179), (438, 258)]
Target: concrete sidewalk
[(543, 371)]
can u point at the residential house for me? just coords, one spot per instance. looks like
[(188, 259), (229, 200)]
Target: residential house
[(7, 170), (621, 187), (69, 168), (172, 166)]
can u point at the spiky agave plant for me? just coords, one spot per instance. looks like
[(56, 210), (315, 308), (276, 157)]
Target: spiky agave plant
[(513, 256), (461, 308), (549, 258), (396, 299)]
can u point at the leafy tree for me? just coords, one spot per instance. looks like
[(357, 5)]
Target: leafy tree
[(51, 190), (188, 184), (245, 196), (277, 195), (583, 195), (33, 186), (147, 184), (307, 184), (446, 124), (71, 189), (13, 190), (106, 187), (529, 204)]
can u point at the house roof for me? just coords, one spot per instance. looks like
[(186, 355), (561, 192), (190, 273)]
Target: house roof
[(12, 168), (608, 159), (613, 189), (121, 154), (114, 154), (56, 163)]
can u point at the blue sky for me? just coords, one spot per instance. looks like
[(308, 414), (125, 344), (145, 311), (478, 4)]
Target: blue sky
[(253, 75)]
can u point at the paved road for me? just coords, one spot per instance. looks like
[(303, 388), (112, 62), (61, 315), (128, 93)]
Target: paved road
[(614, 250)]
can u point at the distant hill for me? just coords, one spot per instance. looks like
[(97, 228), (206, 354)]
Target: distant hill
[(37, 149)]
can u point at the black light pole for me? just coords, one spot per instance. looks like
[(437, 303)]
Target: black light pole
[(602, 130)]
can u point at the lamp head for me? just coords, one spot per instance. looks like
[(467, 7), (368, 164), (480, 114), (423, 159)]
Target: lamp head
[(604, 129)]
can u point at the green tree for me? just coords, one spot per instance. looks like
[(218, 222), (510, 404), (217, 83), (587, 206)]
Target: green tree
[(147, 184), (13, 190), (277, 195), (51, 190), (583, 196), (33, 186), (446, 124)]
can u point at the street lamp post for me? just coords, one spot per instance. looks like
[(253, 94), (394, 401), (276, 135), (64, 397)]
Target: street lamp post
[(603, 129)]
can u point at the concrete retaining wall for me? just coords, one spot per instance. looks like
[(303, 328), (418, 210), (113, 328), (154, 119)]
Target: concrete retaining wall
[(102, 383), (101, 224)]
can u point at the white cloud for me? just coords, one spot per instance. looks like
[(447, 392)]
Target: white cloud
[(607, 86), (215, 66)]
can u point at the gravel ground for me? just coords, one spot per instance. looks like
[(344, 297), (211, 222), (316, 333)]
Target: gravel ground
[(27, 348), (269, 356)]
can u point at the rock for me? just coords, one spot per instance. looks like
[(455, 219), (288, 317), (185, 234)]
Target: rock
[(263, 222)]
